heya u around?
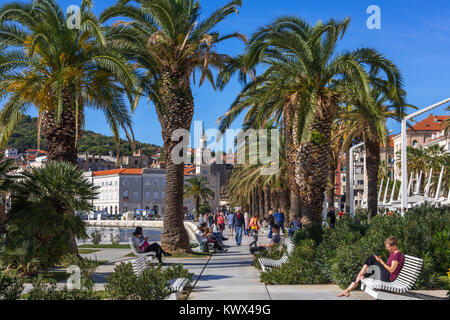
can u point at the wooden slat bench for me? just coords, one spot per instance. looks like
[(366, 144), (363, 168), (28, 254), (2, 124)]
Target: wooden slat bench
[(403, 283), (271, 263)]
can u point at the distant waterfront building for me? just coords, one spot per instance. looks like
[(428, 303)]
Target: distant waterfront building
[(11, 153), (424, 133), (94, 162)]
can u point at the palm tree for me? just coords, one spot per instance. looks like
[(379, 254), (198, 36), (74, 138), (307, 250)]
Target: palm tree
[(60, 71), (6, 182), (44, 201), (368, 121), (197, 189), (306, 58), (165, 39)]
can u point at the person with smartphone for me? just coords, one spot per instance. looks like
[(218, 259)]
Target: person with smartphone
[(386, 272), (143, 246)]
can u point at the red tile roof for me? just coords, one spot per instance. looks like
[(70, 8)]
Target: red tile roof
[(118, 171), (35, 151), (431, 123), (188, 170)]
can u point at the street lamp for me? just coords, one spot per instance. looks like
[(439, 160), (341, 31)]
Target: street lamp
[(404, 160), (351, 177)]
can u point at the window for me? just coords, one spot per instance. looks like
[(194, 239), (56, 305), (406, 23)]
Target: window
[(361, 159), (155, 195), (343, 179), (360, 182), (125, 182), (147, 196), (156, 182), (125, 194), (414, 143), (148, 182), (135, 182), (135, 195), (163, 195)]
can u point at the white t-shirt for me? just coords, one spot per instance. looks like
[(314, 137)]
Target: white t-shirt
[(200, 236)]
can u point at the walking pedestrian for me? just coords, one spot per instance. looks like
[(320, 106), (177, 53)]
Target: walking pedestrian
[(238, 224), (247, 224)]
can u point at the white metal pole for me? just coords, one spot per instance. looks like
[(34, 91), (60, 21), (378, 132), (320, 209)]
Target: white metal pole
[(427, 188), (438, 190), (410, 182), (404, 156), (386, 191), (392, 192), (351, 176), (379, 191)]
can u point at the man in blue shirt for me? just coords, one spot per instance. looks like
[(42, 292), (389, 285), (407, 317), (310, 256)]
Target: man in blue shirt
[(238, 224), (279, 219)]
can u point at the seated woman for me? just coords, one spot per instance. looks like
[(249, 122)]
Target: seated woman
[(143, 246), (207, 235), (388, 271)]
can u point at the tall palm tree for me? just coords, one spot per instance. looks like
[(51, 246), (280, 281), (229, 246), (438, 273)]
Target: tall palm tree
[(307, 59), (60, 71), (197, 189), (166, 39), (368, 121)]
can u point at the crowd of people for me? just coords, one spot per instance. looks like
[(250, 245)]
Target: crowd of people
[(211, 231)]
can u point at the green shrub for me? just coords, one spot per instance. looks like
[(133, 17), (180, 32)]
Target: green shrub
[(300, 268), (11, 286), (115, 239), (96, 236), (44, 291), (312, 231), (152, 284), (87, 266), (177, 271)]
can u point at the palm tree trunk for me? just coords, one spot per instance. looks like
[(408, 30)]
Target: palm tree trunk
[(60, 138), (332, 184), (255, 203), (197, 207), (175, 113), (312, 169), (267, 199), (291, 155), (373, 163), (261, 203), (285, 201)]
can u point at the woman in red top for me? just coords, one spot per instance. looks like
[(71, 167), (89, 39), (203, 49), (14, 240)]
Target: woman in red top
[(387, 272)]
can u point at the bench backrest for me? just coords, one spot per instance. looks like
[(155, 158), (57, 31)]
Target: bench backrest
[(133, 246), (409, 272), (139, 265), (290, 247)]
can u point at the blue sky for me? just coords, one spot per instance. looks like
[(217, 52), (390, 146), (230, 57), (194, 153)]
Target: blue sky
[(414, 34)]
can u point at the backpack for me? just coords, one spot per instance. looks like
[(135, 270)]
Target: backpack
[(271, 220)]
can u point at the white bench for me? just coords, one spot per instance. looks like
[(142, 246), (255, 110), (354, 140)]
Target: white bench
[(177, 285), (151, 255), (390, 290), (267, 264)]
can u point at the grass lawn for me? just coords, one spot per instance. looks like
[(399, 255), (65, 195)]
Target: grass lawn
[(182, 256), (87, 251), (104, 246)]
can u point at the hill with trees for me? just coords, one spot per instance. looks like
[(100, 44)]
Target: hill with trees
[(25, 137)]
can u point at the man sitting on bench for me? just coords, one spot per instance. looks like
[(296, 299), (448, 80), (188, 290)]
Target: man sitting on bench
[(275, 242), (387, 272)]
